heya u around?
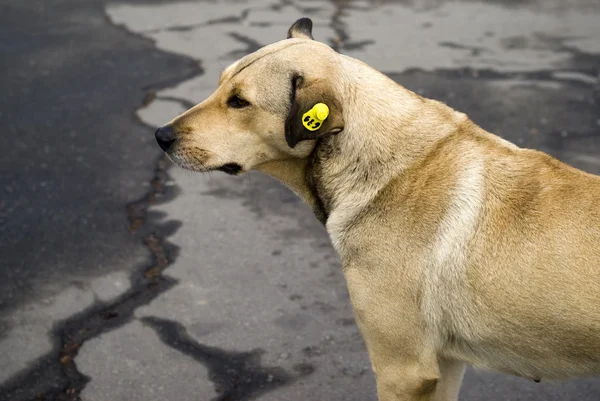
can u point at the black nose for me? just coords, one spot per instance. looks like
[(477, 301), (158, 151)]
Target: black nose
[(165, 136)]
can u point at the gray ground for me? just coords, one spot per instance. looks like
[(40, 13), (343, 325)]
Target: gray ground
[(124, 278)]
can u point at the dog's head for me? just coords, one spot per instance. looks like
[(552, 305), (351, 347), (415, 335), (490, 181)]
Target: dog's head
[(261, 110)]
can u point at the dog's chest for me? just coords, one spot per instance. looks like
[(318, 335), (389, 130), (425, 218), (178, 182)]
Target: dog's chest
[(342, 188)]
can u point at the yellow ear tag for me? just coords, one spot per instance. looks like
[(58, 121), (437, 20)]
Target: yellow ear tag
[(313, 119)]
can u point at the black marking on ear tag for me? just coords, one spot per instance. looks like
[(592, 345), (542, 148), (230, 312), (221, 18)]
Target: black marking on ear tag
[(306, 118), (317, 125)]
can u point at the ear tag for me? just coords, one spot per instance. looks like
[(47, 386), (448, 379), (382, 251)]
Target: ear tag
[(313, 119)]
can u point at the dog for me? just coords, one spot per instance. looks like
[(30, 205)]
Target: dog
[(458, 247)]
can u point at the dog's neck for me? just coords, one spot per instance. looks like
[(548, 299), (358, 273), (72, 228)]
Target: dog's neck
[(387, 129), (295, 174)]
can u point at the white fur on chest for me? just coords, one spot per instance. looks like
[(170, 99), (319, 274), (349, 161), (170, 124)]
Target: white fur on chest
[(458, 225), (446, 302), (342, 215)]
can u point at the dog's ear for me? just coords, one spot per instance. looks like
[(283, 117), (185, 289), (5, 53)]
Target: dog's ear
[(302, 28), (304, 97)]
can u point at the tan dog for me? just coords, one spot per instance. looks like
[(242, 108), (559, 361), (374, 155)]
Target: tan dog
[(457, 246)]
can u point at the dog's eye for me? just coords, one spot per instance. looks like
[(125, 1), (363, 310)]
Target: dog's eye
[(237, 102)]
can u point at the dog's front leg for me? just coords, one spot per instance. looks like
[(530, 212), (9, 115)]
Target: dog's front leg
[(411, 380), (451, 376), (405, 362)]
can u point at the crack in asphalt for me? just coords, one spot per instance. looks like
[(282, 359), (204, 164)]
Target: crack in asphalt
[(494, 75), (475, 50), (251, 45), (342, 39), (338, 26), (59, 367), (186, 104), (582, 69), (238, 376), (185, 28)]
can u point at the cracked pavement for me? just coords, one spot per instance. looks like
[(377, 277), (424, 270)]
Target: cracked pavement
[(126, 278)]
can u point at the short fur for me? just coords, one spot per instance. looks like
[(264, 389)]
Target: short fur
[(457, 246)]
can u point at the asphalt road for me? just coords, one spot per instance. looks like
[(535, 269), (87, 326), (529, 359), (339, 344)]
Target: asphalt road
[(125, 278)]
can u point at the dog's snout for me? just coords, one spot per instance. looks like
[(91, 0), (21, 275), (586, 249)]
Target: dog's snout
[(165, 136)]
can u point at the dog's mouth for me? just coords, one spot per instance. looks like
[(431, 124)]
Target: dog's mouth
[(196, 164), (230, 168)]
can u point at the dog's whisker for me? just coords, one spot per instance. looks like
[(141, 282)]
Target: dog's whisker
[(222, 67)]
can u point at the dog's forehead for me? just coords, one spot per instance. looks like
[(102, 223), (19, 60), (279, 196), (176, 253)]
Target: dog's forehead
[(267, 53)]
